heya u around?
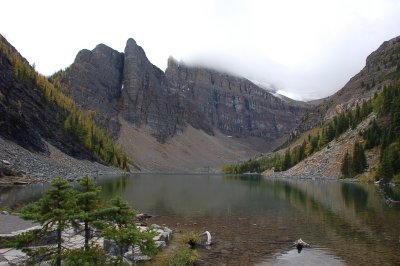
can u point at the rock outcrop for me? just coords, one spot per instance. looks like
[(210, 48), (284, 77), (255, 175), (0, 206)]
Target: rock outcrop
[(231, 104), (147, 100), (94, 81)]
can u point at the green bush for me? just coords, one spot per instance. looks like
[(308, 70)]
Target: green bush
[(190, 238), (94, 256), (396, 179), (183, 257)]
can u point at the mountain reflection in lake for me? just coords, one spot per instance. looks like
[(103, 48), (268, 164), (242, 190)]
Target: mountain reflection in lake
[(254, 221)]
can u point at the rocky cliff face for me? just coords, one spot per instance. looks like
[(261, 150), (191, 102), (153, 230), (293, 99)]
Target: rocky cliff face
[(94, 81), (147, 100), (382, 68), (234, 105), (127, 85)]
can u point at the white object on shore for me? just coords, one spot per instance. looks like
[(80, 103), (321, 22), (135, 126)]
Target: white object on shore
[(208, 242), (5, 162)]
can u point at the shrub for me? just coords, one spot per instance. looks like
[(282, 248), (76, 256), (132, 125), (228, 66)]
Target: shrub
[(183, 256)]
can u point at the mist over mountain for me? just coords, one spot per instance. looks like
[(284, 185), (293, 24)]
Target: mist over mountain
[(127, 89)]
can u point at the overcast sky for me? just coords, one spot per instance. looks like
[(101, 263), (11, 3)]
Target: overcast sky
[(307, 48)]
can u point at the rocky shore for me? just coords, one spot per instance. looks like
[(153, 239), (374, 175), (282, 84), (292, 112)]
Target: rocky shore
[(14, 226), (35, 167)]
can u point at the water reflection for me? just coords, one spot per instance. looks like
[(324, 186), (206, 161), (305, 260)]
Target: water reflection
[(355, 195), (315, 256), (255, 220)]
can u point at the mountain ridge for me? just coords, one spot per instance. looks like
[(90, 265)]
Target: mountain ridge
[(36, 123), (380, 65), (158, 103)]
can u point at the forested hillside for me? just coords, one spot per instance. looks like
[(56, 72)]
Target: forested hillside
[(382, 133), (34, 111)]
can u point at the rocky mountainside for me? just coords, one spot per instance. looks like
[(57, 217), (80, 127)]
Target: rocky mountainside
[(33, 139), (147, 100), (126, 89), (94, 81), (382, 67), (127, 84), (233, 105), (326, 163), (26, 118)]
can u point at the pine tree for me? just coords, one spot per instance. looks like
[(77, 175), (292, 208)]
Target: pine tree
[(385, 170), (309, 149), (287, 160), (346, 165), (359, 162), (372, 136), (323, 139), (88, 201), (123, 230), (302, 151), (56, 209)]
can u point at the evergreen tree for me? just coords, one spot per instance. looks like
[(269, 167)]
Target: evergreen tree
[(309, 149), (323, 139), (357, 117), (346, 165), (287, 160), (359, 162), (385, 170), (303, 150), (372, 136), (123, 230), (88, 201), (56, 209), (393, 152)]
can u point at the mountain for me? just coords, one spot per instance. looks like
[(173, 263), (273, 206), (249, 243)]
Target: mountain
[(353, 133), (26, 117), (233, 105), (165, 121), (38, 121), (381, 68), (94, 81)]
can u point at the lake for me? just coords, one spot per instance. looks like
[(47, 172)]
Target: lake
[(254, 221)]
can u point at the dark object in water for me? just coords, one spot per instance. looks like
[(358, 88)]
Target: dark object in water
[(143, 216), (300, 244)]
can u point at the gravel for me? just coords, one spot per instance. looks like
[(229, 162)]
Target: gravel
[(58, 164)]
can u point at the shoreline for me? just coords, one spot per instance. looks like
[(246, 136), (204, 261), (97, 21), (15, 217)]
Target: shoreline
[(23, 166)]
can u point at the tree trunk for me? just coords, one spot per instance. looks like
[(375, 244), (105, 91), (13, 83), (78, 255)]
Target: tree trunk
[(87, 235), (59, 238)]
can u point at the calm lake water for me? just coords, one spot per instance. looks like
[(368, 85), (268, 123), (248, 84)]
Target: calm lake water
[(254, 221)]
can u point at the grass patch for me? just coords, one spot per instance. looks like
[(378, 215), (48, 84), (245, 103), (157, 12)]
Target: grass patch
[(183, 256), (396, 179)]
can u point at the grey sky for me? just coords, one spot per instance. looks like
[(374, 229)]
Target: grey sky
[(308, 49)]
